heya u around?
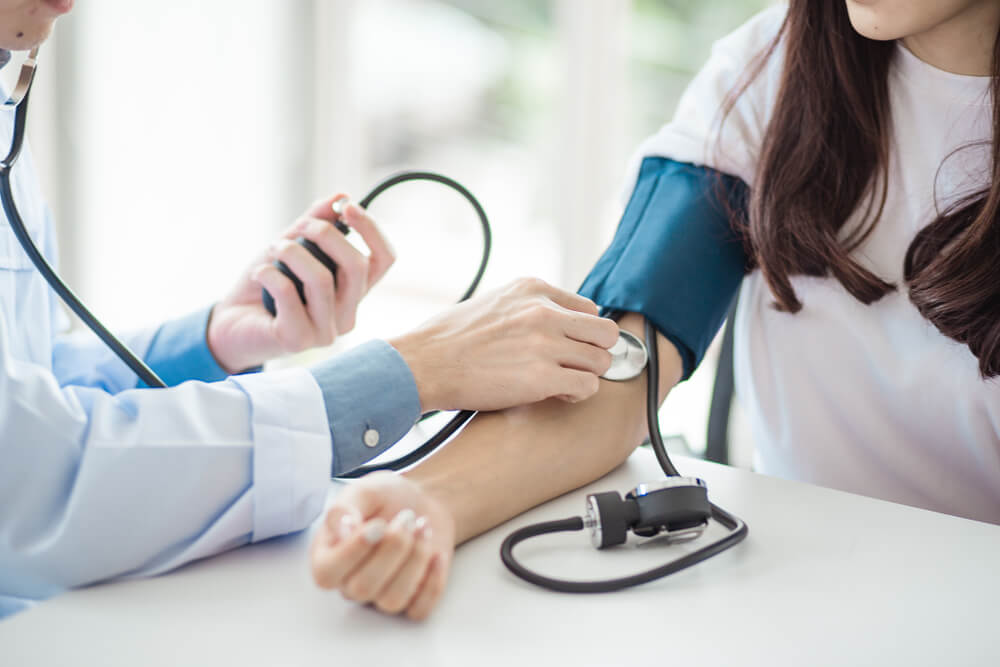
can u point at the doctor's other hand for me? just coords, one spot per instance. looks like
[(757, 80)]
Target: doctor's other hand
[(385, 541), (242, 333), (520, 344)]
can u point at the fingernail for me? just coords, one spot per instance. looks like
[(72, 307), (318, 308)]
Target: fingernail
[(339, 205), (355, 210), (405, 521), (348, 523), (374, 531), (423, 528)]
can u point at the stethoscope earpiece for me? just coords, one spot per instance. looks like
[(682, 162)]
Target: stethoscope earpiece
[(25, 78)]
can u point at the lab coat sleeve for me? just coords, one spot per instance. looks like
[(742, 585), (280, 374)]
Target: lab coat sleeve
[(177, 351), (80, 358), (95, 485)]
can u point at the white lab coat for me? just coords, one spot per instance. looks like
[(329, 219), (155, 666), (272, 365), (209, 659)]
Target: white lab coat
[(98, 479)]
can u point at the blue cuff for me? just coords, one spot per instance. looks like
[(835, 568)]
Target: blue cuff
[(676, 257), (371, 402), (179, 351)]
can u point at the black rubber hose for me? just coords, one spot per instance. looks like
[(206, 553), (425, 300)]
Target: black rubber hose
[(420, 452), (61, 289), (406, 176), (653, 403), (737, 528), (382, 186), (464, 416)]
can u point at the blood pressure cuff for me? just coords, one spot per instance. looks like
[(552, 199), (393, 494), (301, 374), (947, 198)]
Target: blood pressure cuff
[(675, 258)]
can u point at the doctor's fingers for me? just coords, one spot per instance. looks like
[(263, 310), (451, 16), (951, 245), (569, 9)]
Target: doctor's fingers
[(570, 384), (569, 300), (352, 270), (318, 286), (382, 255), (322, 208), (378, 569), (592, 329), (582, 357), (291, 326)]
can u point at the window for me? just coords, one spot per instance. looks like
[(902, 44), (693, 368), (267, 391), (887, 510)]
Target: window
[(178, 139)]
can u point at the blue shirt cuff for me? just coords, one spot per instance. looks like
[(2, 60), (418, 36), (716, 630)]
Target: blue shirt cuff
[(179, 351), (371, 402)]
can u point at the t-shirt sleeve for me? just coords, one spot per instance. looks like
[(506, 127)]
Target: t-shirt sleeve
[(676, 257)]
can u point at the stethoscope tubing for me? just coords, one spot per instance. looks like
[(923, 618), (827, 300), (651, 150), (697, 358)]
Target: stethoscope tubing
[(415, 175), (737, 533), (463, 416), (737, 528), (138, 366)]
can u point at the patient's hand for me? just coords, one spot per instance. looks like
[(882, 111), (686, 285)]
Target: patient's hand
[(387, 542)]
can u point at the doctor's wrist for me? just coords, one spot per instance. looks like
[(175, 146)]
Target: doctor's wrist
[(226, 356), (429, 386), (215, 347)]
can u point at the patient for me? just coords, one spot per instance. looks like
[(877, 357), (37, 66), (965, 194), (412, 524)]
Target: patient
[(868, 328)]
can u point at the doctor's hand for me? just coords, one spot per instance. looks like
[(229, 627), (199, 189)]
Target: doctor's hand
[(242, 334), (521, 344), (385, 541)]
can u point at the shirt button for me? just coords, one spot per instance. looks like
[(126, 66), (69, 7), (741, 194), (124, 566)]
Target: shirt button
[(371, 438)]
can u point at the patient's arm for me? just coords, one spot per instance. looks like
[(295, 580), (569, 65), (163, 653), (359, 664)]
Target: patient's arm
[(507, 462), (502, 464), (677, 257)]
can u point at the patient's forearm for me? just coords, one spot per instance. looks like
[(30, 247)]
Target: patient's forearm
[(507, 462)]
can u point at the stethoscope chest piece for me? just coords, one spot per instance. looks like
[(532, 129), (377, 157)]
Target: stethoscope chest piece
[(628, 358)]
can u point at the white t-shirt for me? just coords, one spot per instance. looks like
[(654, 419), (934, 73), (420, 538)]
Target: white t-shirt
[(869, 399)]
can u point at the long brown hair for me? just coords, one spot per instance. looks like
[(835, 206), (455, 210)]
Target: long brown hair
[(825, 157)]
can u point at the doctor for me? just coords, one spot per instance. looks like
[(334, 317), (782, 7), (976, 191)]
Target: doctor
[(100, 478)]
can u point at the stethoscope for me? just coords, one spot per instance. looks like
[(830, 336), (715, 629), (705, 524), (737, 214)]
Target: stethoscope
[(677, 508)]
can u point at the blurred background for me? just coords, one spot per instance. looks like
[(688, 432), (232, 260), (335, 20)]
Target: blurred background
[(177, 140)]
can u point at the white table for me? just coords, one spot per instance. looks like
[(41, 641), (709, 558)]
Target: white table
[(825, 578)]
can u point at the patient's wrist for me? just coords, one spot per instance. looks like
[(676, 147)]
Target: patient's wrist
[(438, 493)]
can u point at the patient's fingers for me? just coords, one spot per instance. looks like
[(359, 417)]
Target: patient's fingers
[(334, 558), (397, 593), (371, 576), (430, 591)]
